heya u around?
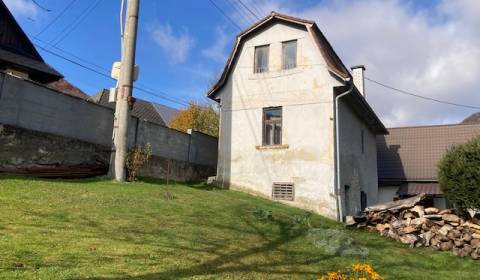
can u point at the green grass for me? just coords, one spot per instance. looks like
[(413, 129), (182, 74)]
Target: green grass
[(96, 229)]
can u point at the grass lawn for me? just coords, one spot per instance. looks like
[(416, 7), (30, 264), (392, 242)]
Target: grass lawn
[(95, 229)]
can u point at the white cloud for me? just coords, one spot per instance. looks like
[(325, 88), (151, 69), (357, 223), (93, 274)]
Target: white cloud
[(175, 46), (434, 52), (217, 50), (22, 8)]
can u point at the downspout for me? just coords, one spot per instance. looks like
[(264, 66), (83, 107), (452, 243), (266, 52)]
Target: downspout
[(337, 150)]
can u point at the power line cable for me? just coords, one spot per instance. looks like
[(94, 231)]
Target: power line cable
[(74, 24), (56, 18), (109, 77), (78, 23), (103, 69), (248, 9), (40, 6), (256, 8), (241, 12), (374, 81), (225, 15), (421, 96), (74, 55)]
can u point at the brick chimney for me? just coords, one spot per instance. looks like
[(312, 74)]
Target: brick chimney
[(358, 78)]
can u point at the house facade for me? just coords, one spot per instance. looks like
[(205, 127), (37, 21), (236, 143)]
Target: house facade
[(286, 103)]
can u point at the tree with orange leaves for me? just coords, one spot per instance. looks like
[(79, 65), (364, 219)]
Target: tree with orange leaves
[(202, 118)]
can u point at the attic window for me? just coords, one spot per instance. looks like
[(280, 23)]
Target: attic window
[(289, 54), (261, 59), (283, 191)]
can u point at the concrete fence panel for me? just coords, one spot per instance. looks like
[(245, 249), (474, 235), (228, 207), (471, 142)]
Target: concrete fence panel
[(31, 106)]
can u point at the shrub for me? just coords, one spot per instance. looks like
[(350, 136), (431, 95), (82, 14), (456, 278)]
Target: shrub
[(136, 159), (459, 175)]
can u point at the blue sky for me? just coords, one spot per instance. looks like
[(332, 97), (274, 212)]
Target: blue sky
[(183, 75), (422, 46)]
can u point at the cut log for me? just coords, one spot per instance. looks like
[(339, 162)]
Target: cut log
[(467, 237), (435, 217), (420, 210), (431, 210), (350, 221), (451, 218), (408, 239), (397, 205), (475, 254), (468, 249), (445, 211), (445, 229), (409, 229), (459, 243), (471, 225), (446, 246), (426, 236), (475, 243), (382, 227), (419, 221)]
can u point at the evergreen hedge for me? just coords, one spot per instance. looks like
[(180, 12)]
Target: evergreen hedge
[(459, 175)]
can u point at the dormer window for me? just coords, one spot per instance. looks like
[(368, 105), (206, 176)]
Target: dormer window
[(289, 54), (261, 59)]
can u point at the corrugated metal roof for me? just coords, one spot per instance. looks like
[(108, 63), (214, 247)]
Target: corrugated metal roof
[(418, 188), (412, 153), (334, 63)]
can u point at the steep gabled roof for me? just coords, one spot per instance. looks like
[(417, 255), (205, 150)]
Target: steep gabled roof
[(18, 52), (334, 64)]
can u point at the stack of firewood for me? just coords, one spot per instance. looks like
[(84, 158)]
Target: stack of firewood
[(411, 223)]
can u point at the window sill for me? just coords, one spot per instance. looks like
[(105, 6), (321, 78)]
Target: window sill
[(275, 74), (272, 147)]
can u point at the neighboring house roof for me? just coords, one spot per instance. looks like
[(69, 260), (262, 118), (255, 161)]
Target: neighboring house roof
[(66, 87), (165, 112), (334, 65), (472, 119), (145, 110), (412, 153), (17, 51)]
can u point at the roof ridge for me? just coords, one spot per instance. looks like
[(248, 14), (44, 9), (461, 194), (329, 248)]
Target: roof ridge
[(434, 125)]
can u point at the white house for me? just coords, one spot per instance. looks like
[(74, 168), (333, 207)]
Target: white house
[(278, 113)]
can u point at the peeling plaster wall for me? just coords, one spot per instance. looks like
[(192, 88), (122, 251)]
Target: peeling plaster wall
[(22, 148), (358, 169), (306, 96)]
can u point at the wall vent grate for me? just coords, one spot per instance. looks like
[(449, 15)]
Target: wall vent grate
[(283, 191)]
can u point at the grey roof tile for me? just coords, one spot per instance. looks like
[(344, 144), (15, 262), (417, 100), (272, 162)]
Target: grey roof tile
[(413, 153)]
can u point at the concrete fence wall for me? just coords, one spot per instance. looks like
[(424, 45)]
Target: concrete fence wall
[(31, 106)]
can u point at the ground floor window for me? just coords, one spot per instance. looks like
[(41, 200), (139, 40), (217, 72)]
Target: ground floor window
[(272, 126)]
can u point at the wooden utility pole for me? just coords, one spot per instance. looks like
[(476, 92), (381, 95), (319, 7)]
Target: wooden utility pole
[(124, 91)]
